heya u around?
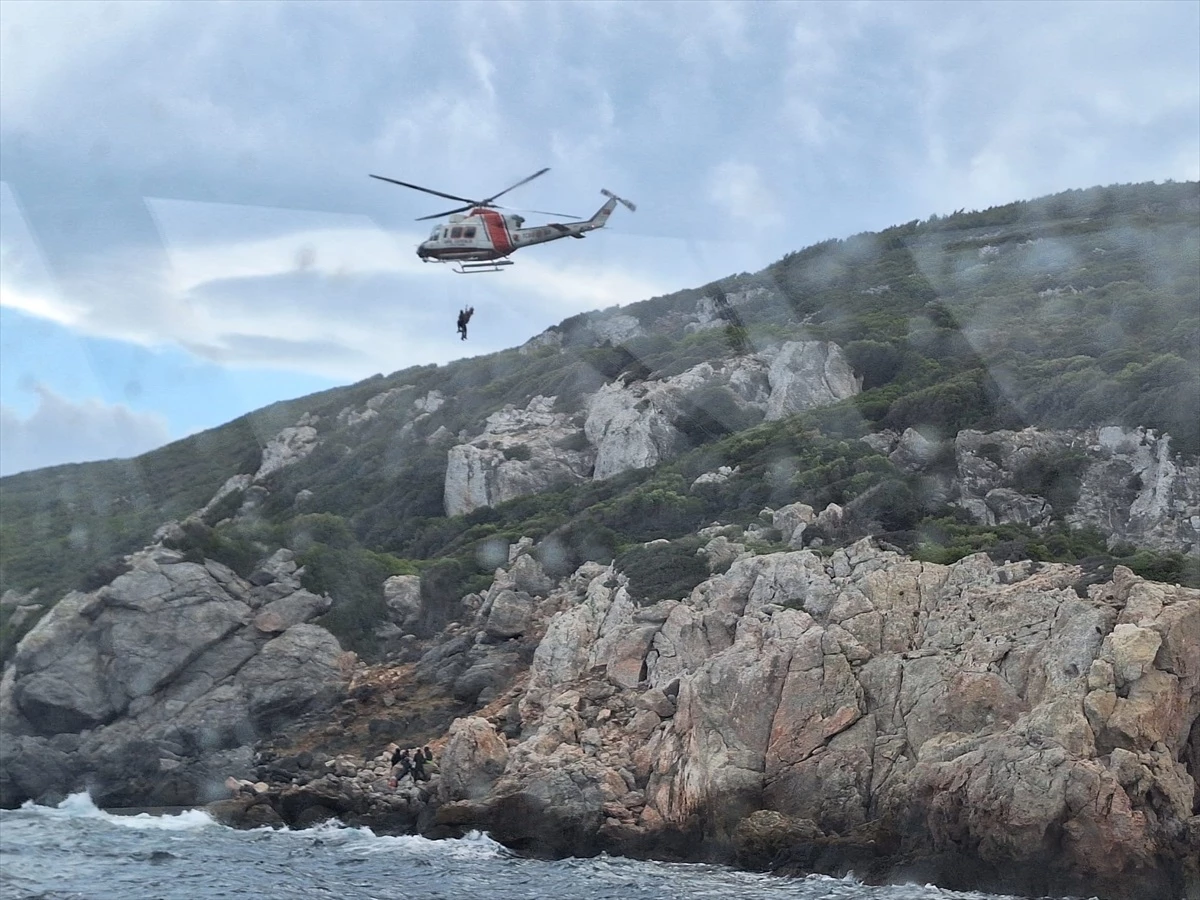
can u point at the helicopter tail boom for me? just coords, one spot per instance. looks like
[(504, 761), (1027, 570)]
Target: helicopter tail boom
[(602, 214)]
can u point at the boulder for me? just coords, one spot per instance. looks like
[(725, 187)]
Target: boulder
[(474, 758), (806, 375), (520, 451), (402, 594), (156, 682), (510, 615)]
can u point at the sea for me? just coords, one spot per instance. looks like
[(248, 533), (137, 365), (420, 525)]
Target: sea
[(75, 851)]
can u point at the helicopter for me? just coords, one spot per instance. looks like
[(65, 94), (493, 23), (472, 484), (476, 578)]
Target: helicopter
[(481, 240)]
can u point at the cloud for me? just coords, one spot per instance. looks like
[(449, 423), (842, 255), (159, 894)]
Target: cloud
[(322, 293), (738, 188), (62, 431), (1064, 100), (846, 116)]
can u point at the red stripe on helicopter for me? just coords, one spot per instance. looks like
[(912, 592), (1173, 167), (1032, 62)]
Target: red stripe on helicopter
[(497, 233)]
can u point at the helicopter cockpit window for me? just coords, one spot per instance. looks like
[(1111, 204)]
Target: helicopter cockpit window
[(456, 231), (436, 233)]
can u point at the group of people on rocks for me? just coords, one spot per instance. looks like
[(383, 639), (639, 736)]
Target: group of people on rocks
[(417, 764)]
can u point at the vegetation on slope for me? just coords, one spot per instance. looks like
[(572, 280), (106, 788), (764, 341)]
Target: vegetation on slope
[(1072, 310)]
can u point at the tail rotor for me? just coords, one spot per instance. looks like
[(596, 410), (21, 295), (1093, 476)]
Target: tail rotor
[(607, 193)]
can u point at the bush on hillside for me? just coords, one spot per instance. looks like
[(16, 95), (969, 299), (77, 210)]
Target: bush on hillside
[(662, 571)]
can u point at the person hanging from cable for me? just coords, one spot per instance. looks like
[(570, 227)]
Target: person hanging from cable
[(464, 317)]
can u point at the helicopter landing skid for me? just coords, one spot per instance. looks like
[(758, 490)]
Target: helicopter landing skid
[(496, 265)]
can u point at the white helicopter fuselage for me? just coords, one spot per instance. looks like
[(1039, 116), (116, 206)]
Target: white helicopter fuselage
[(485, 235)]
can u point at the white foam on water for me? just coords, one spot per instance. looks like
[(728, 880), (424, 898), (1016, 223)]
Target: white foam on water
[(474, 845), (80, 806), (360, 838)]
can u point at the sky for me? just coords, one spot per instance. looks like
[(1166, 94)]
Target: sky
[(188, 230)]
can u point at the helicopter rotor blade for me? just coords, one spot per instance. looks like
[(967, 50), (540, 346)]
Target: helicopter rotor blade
[(539, 212), (517, 185), (448, 212), (417, 187)]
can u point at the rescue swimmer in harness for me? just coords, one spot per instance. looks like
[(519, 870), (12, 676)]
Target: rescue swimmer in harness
[(464, 317)]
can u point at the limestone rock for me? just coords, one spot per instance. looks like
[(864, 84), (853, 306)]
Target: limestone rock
[(631, 426), (1130, 486), (156, 678), (287, 448), (521, 451), (475, 756), (806, 375), (402, 594)]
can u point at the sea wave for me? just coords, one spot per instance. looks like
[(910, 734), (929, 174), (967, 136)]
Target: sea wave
[(81, 806), (473, 845)]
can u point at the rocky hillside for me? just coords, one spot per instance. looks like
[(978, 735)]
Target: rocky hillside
[(1016, 726), (884, 558)]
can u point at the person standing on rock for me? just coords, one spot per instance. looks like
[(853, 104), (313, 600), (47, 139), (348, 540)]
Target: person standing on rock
[(401, 765), (418, 766), (431, 767)]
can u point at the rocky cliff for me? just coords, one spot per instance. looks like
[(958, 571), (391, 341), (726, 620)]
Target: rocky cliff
[(633, 425), (795, 709), (1002, 714), (149, 689), (801, 701), (1125, 483)]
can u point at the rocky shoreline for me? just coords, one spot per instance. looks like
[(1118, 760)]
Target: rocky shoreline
[(1010, 728), (1015, 727)]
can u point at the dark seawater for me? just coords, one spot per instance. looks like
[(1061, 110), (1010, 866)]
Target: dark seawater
[(78, 852)]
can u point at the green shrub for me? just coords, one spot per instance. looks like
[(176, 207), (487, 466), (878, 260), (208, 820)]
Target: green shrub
[(662, 571), (568, 547), (1056, 477), (353, 578), (519, 452), (229, 545), (876, 362)]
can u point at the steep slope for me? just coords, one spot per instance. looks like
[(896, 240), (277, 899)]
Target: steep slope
[(841, 545)]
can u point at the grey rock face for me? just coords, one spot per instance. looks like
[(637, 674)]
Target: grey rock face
[(986, 706), (172, 659), (93, 654), (1164, 511), (520, 452), (713, 313), (806, 375), (288, 447), (1130, 486), (631, 426), (592, 329), (284, 678)]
